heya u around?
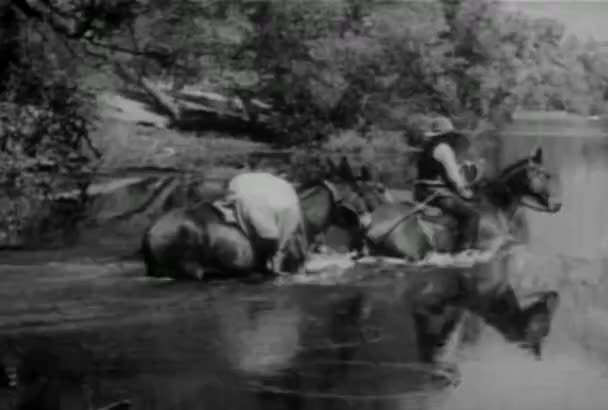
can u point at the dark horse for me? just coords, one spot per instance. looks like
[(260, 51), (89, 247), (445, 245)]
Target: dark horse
[(411, 230), (188, 242)]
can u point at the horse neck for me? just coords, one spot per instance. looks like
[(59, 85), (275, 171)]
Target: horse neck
[(501, 194), (317, 206)]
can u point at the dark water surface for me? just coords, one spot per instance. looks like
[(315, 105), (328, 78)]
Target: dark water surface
[(172, 345)]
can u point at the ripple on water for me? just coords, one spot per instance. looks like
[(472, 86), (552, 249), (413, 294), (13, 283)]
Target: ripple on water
[(323, 269), (361, 385)]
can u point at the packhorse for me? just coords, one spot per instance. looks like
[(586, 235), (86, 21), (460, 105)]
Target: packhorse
[(190, 242), (411, 230)]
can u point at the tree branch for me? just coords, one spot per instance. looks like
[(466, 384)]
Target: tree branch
[(56, 18)]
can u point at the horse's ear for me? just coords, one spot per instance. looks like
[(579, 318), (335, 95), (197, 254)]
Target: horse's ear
[(552, 302), (366, 174), (537, 155), (345, 171)]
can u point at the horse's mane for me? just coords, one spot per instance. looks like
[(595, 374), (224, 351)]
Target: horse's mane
[(308, 184), (496, 176), (494, 187), (513, 167)]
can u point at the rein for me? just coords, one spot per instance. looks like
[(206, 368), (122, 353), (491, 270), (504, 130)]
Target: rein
[(521, 201), (533, 207), (330, 187), (419, 206)]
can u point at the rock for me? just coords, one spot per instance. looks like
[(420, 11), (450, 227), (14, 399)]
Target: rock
[(126, 109)]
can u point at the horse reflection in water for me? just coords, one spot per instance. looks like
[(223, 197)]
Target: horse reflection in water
[(372, 346)]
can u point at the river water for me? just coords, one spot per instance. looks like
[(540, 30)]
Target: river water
[(577, 151), (566, 251), (171, 345)]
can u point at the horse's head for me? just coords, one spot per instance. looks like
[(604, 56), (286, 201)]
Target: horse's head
[(356, 195), (529, 180), (339, 197)]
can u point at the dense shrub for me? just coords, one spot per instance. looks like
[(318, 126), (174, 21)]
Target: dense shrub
[(44, 154)]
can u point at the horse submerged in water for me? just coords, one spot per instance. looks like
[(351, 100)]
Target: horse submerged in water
[(191, 241), (411, 230)]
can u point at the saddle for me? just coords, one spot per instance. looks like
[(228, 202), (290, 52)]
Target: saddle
[(387, 218), (431, 214), (225, 210)]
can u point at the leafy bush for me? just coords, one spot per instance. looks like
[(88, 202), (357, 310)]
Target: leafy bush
[(43, 153)]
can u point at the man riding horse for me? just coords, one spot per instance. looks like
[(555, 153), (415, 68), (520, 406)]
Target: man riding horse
[(441, 183)]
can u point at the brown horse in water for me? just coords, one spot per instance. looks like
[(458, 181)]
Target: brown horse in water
[(189, 242), (411, 230)]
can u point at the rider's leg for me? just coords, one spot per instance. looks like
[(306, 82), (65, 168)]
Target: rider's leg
[(467, 218), (292, 246)]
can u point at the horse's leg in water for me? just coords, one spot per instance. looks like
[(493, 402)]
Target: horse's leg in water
[(164, 245), (147, 254), (358, 243), (467, 217), (189, 260)]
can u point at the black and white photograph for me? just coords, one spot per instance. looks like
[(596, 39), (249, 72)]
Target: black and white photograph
[(303, 204)]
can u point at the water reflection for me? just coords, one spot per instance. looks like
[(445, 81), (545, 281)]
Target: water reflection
[(301, 346), (331, 347), (344, 345), (565, 253)]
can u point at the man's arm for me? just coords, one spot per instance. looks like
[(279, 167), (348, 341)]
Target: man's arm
[(445, 155)]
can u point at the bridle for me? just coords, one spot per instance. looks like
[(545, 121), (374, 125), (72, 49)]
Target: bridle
[(337, 198), (509, 174)]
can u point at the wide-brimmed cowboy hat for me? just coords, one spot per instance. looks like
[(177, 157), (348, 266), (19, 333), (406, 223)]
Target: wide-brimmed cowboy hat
[(439, 125)]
